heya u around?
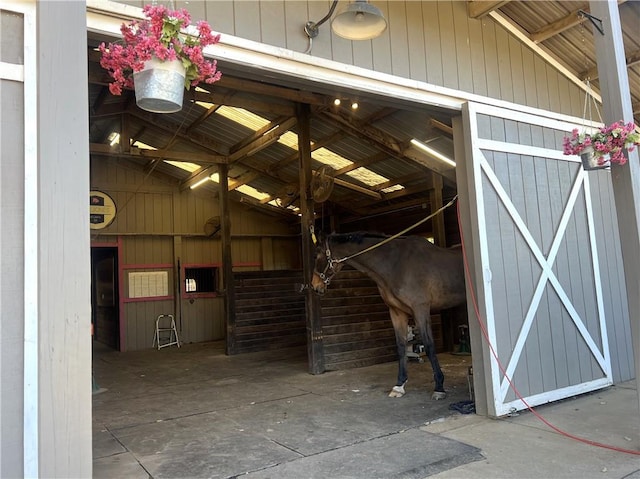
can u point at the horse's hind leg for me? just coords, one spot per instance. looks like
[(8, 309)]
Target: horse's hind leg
[(400, 322), (423, 322)]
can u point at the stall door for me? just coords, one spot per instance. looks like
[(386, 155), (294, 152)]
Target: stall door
[(536, 260)]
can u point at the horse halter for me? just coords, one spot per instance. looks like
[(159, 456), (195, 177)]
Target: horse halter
[(329, 270)]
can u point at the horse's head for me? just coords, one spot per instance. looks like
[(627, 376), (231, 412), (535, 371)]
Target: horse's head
[(326, 266)]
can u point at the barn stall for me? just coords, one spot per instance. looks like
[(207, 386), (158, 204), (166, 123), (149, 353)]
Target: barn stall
[(326, 76)]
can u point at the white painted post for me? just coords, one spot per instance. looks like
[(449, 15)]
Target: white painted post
[(616, 105)]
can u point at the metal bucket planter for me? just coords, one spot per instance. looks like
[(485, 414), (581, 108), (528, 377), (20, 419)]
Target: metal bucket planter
[(594, 161), (159, 86)]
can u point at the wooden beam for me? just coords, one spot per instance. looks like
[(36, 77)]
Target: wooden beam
[(570, 20), (315, 345), (264, 141), (232, 98), (388, 144), (481, 8), (191, 157), (137, 153), (265, 89), (157, 121), (359, 189), (554, 28), (250, 149), (631, 60), (616, 105), (227, 263), (441, 126)]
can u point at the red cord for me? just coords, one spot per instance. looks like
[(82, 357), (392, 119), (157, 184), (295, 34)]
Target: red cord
[(485, 334)]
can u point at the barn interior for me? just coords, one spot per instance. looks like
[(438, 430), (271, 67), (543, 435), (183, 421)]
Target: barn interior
[(379, 164)]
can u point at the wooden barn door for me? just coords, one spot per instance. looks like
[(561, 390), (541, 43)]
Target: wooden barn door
[(535, 260)]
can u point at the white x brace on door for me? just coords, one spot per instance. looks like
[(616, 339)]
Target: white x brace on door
[(540, 294)]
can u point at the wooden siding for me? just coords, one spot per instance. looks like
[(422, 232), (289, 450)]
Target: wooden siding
[(540, 203), (433, 42), (159, 225), (12, 152), (62, 172), (612, 277)]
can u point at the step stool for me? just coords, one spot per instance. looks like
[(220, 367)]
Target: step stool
[(160, 335)]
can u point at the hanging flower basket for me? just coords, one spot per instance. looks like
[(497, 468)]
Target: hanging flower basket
[(592, 160), (608, 145), (147, 44), (159, 86)]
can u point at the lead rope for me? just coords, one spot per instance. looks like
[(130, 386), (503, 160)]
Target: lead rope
[(390, 238)]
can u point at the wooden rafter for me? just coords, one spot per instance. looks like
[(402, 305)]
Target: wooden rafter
[(390, 145), (480, 8), (554, 28), (157, 121), (632, 59), (570, 20)]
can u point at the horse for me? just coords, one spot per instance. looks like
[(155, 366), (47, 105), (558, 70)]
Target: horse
[(414, 277)]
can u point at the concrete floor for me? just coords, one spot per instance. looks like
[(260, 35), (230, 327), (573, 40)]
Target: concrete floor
[(194, 412)]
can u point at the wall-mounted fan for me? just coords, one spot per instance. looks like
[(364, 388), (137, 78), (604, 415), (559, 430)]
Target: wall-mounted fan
[(212, 226), (322, 183), (288, 195)]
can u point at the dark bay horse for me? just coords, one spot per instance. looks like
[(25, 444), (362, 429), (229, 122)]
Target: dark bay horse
[(414, 278)]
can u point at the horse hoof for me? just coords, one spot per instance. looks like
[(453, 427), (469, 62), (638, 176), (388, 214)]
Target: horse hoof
[(397, 392), (437, 395)]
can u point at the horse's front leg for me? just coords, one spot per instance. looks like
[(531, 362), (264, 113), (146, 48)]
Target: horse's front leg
[(400, 322), (423, 321)]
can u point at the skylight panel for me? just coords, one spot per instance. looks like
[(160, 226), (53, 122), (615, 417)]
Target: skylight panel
[(330, 158), (243, 117), (251, 191), (289, 139), (143, 146), (184, 165)]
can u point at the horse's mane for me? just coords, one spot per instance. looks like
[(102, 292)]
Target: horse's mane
[(356, 236)]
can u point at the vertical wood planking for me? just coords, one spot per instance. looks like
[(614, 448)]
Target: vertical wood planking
[(448, 45), (63, 307), (322, 44), (613, 278), (246, 19), (433, 52), (13, 331), (398, 37), (295, 16), (462, 52), (543, 232), (491, 61), (504, 65), (478, 63), (219, 15), (517, 59), (416, 41)]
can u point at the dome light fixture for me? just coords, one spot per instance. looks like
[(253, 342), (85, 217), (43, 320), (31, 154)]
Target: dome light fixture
[(359, 21)]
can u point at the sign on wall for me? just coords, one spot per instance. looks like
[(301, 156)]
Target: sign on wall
[(102, 210)]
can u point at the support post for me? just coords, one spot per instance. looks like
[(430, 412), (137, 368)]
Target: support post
[(616, 105), (227, 261), (315, 347)]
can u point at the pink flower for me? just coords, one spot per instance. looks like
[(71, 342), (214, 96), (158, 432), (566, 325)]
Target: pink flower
[(611, 140), (160, 35)]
